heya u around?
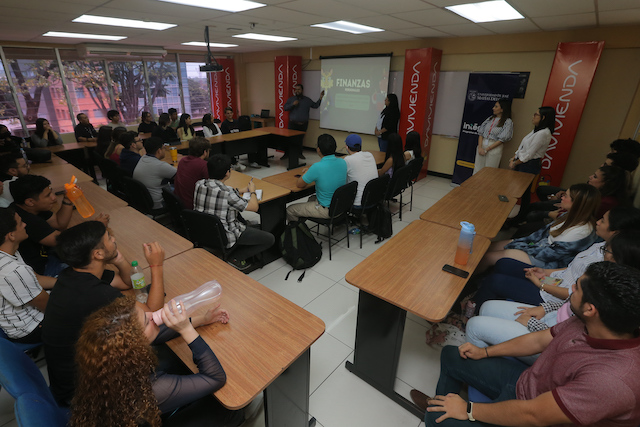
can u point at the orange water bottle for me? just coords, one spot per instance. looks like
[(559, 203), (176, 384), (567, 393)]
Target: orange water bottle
[(75, 194), (465, 242)]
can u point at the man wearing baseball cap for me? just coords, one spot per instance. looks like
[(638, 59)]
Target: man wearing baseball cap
[(361, 166)]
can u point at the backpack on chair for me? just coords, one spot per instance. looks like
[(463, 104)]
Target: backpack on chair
[(380, 222), (299, 248)]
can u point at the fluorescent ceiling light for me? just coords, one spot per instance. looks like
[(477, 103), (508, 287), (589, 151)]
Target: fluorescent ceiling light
[(82, 36), (348, 27), (226, 5), (265, 37), (119, 22), (487, 11), (210, 44)]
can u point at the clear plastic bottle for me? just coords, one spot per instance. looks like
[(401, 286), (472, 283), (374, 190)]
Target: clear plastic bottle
[(75, 194), (207, 294), (138, 282), (465, 242)]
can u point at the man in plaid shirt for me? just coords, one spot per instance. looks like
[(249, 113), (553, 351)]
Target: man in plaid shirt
[(214, 197)]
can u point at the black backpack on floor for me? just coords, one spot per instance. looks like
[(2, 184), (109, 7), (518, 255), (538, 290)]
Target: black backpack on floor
[(380, 222), (299, 248)]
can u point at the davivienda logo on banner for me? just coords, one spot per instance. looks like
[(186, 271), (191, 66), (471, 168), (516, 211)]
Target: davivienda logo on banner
[(483, 91)]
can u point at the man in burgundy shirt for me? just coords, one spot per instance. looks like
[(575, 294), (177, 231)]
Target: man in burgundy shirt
[(587, 373), (192, 169)]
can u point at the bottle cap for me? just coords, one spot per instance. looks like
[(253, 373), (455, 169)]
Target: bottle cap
[(134, 263), (467, 227)]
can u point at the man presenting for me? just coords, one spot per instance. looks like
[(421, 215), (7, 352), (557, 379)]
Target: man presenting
[(586, 375), (298, 107)]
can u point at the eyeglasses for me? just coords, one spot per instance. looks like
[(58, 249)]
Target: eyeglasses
[(605, 250)]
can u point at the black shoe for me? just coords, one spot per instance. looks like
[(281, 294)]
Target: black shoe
[(420, 399), (240, 265), (302, 156)]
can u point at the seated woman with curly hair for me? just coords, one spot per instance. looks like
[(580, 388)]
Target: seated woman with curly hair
[(118, 383)]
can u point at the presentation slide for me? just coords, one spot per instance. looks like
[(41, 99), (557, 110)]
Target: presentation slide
[(354, 92)]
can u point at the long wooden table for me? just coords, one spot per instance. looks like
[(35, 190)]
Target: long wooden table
[(481, 208), (499, 181), (59, 174), (404, 275), (265, 345)]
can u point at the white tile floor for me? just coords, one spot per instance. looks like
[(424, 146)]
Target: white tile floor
[(338, 398)]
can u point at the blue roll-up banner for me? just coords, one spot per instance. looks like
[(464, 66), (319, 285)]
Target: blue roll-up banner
[(483, 90)]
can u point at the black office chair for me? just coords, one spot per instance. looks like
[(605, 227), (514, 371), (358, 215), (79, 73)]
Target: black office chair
[(206, 231), (175, 207), (113, 175), (416, 166), (341, 204), (139, 198), (244, 123), (397, 185), (372, 196)]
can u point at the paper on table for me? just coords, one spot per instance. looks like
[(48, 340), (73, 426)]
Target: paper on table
[(247, 195)]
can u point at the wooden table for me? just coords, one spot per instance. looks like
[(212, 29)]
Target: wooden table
[(270, 191), (101, 199), (289, 180), (59, 174), (55, 160), (404, 275), (481, 208), (279, 138), (507, 182), (265, 345), (132, 229), (265, 121), (71, 146)]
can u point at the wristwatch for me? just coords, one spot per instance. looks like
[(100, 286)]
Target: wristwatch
[(470, 411)]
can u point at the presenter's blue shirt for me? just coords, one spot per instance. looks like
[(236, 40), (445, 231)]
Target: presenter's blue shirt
[(329, 174)]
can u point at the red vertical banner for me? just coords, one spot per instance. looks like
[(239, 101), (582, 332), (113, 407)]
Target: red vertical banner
[(419, 90), (574, 67), (223, 89), (288, 73)]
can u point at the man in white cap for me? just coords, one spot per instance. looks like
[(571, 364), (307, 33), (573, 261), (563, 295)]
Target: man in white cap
[(361, 166)]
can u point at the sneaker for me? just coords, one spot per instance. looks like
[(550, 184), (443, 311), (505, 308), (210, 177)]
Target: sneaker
[(239, 167), (240, 265), (255, 165), (302, 156)]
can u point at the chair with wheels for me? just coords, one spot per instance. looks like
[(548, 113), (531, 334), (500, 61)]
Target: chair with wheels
[(22, 379), (206, 231), (372, 196), (175, 207), (341, 204), (398, 183), (139, 198), (416, 166)]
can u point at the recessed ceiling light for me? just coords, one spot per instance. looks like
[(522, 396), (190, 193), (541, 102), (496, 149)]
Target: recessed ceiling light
[(119, 22), (210, 44), (265, 37), (226, 5), (348, 27), (487, 11), (82, 36)]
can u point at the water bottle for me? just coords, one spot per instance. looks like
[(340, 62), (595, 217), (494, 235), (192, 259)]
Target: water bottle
[(465, 242), (206, 294), (138, 282), (75, 194)]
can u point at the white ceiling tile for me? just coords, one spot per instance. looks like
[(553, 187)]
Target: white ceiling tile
[(552, 23), (464, 30), (164, 9), (387, 22), (444, 3), (389, 7), (423, 32), (620, 17), (617, 4), (432, 17), (538, 8), (291, 17), (512, 26), (328, 8)]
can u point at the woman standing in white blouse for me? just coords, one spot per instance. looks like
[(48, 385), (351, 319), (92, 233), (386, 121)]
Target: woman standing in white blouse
[(528, 157), (492, 134)]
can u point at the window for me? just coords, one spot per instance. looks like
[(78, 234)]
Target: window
[(8, 111), (88, 81), (129, 89), (195, 86), (163, 84)]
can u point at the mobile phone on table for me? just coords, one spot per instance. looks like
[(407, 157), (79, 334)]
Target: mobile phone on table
[(453, 270), (297, 175), (503, 198)]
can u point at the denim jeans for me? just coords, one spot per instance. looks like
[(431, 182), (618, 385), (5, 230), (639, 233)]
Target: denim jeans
[(508, 282), (382, 144), (494, 377)]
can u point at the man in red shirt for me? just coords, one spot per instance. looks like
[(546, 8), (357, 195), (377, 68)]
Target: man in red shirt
[(192, 169), (587, 373)]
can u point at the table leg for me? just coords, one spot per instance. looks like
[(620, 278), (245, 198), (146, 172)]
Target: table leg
[(295, 149), (272, 219), (378, 342), (286, 400)]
